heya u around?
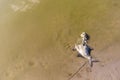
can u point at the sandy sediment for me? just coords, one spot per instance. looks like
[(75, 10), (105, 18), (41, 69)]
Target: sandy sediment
[(106, 69)]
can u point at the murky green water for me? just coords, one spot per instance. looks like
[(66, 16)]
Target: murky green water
[(44, 31)]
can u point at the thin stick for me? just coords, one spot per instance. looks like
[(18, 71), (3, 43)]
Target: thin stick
[(77, 70)]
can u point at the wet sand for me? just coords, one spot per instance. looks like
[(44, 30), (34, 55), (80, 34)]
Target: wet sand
[(106, 68)]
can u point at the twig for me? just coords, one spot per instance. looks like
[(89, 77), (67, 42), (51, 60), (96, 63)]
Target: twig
[(77, 70)]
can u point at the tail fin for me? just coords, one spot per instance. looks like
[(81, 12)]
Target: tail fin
[(90, 62)]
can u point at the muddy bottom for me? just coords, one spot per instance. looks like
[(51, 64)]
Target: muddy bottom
[(37, 38)]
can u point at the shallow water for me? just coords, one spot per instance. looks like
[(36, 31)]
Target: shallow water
[(37, 36)]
